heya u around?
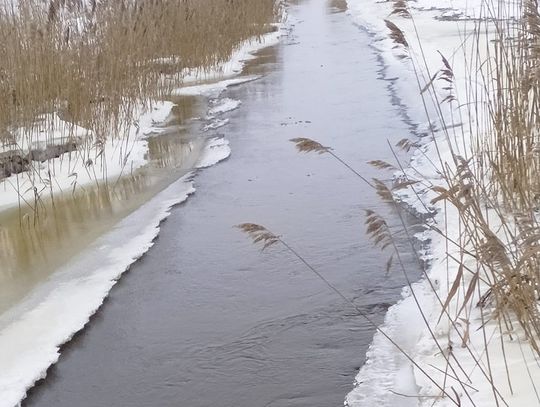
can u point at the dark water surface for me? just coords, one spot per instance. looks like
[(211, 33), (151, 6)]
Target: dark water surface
[(206, 319)]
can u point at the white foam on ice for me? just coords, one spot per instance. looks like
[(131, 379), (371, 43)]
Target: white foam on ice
[(223, 106), (216, 150), (213, 89)]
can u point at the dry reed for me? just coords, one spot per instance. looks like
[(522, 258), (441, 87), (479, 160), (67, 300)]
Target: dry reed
[(94, 62)]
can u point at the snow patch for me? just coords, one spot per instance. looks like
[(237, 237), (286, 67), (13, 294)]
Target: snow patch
[(217, 149), (223, 106), (216, 124), (244, 53)]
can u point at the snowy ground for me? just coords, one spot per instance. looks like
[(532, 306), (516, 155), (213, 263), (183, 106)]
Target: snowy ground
[(388, 377), (32, 332)]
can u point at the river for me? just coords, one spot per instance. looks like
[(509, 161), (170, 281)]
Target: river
[(207, 319)]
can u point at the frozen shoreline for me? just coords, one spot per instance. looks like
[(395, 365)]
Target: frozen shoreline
[(388, 378), (118, 156), (33, 331)]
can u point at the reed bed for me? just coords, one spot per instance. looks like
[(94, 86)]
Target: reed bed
[(488, 120), (93, 61), (493, 185)]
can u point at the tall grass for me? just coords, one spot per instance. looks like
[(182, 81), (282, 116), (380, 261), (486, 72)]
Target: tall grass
[(494, 184), (489, 121), (76, 74), (93, 61)]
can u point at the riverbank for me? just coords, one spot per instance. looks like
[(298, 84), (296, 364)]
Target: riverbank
[(456, 354), (57, 273)]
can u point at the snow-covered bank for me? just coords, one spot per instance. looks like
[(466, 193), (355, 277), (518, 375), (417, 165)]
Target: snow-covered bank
[(244, 53), (495, 365), (32, 331), (94, 160), (82, 166)]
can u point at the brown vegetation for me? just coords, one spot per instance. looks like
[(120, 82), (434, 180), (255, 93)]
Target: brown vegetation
[(92, 61)]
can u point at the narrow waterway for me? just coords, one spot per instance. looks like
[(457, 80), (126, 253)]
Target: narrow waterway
[(206, 319)]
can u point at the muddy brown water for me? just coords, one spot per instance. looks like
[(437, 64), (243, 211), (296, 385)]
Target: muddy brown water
[(35, 243), (204, 318)]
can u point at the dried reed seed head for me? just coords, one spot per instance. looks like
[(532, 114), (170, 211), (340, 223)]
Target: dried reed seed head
[(400, 8), (403, 184), (464, 171), (492, 251), (259, 234), (377, 229), (307, 145), (396, 34), (407, 144), (383, 191), (448, 72), (448, 194), (251, 227), (382, 165)]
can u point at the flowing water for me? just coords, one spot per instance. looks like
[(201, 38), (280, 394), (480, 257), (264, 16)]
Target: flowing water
[(207, 319)]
